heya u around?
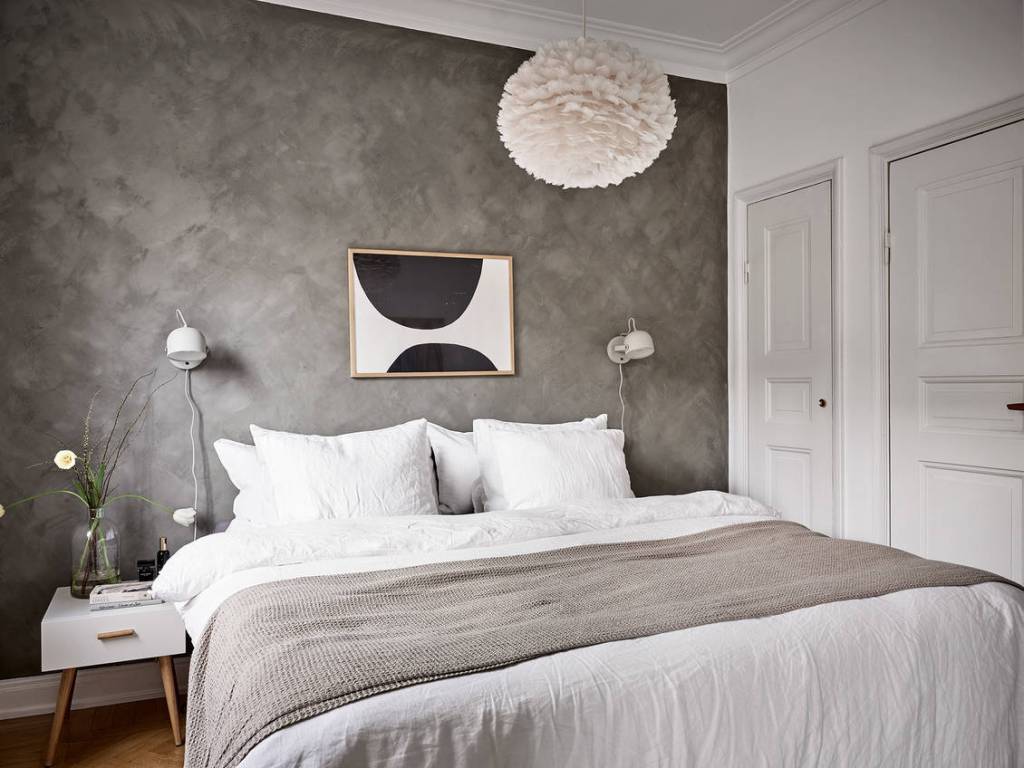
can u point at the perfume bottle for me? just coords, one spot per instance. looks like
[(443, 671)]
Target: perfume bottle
[(162, 555)]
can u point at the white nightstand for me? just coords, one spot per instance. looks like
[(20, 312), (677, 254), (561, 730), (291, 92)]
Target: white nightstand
[(73, 637)]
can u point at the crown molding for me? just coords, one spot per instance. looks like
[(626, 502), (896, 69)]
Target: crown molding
[(516, 24), (521, 26), (792, 25)]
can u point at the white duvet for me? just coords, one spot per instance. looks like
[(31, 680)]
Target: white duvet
[(927, 677)]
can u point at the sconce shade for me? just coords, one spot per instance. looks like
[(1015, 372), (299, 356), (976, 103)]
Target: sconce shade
[(634, 344), (186, 347), (639, 344)]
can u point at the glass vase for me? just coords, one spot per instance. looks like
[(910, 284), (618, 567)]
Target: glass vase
[(95, 553)]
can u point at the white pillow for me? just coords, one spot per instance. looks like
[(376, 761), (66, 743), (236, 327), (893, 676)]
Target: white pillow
[(494, 498), (362, 474), (255, 500), (540, 469), (478, 496), (250, 506), (457, 469)]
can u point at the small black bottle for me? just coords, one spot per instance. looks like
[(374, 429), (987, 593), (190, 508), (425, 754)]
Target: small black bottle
[(147, 569), (162, 555)]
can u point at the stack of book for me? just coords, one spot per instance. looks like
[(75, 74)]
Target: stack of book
[(127, 594)]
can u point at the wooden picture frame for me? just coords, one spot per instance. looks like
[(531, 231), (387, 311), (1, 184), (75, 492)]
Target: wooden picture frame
[(427, 314)]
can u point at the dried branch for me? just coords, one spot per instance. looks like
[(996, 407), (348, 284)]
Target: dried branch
[(86, 446), (124, 442), (124, 400)]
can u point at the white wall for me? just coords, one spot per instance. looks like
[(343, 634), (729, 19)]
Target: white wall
[(899, 66)]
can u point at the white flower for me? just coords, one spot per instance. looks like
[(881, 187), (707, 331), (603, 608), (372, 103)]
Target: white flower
[(2, 510), (185, 516), (65, 459)]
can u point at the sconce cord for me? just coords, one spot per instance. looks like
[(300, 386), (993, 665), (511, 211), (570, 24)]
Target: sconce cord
[(192, 438), (622, 402), (630, 326)]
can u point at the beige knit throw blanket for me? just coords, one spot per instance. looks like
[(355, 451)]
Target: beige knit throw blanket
[(278, 653)]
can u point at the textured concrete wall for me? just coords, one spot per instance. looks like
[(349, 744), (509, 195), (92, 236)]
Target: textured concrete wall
[(220, 157)]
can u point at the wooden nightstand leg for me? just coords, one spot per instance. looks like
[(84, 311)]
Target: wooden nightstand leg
[(171, 694), (60, 714)]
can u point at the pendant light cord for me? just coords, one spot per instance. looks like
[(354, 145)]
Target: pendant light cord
[(584, 18), (192, 438)]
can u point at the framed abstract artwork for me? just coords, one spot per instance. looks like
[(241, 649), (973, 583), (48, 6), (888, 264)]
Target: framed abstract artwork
[(422, 313)]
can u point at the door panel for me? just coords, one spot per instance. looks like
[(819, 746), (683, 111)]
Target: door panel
[(788, 401), (789, 332), (788, 474), (957, 351), (787, 274), (979, 214), (973, 516), (976, 405)]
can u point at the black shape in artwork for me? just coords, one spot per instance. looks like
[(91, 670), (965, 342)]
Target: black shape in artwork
[(441, 358), (423, 292)]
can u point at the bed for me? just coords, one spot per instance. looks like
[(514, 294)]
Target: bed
[(924, 676)]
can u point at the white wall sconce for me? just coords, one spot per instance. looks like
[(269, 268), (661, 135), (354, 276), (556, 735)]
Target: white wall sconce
[(633, 344), (186, 349), (186, 346)]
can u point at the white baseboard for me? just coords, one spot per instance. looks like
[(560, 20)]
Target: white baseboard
[(94, 687)]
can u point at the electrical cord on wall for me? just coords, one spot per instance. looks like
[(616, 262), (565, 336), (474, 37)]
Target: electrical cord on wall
[(622, 402), (192, 438), (187, 348)]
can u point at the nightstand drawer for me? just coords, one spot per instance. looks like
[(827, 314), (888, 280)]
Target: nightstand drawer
[(106, 637)]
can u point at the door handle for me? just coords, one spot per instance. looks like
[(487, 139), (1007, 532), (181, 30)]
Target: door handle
[(1015, 406)]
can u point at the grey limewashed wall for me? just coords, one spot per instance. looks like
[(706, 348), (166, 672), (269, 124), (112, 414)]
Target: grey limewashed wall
[(220, 157)]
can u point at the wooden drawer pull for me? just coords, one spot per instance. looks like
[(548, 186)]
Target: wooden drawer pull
[(115, 634)]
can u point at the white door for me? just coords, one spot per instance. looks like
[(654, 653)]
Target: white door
[(956, 317), (789, 354)]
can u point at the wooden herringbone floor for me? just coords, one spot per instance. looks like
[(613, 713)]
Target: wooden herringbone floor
[(133, 735)]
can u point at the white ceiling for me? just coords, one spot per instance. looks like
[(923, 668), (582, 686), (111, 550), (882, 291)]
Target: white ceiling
[(717, 40), (713, 21)]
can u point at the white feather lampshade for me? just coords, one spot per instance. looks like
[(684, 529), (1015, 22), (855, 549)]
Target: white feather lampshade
[(586, 113)]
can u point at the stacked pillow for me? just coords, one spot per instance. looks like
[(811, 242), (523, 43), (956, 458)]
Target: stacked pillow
[(492, 464), (288, 478), (362, 474), (458, 470), (531, 469), (420, 468), (255, 500)]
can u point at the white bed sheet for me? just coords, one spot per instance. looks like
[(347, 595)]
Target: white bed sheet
[(928, 677)]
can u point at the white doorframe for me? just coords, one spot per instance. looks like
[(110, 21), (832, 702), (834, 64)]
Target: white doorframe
[(739, 425), (880, 156)]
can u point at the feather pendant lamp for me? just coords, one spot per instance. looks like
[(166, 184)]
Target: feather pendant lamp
[(586, 113)]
